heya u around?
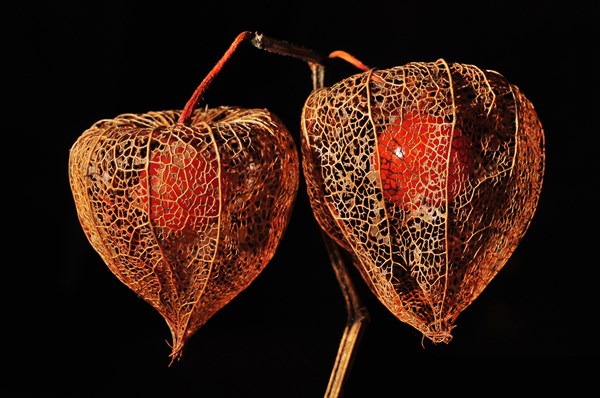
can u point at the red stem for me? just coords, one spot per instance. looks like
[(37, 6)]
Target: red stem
[(191, 104), (350, 59), (259, 41)]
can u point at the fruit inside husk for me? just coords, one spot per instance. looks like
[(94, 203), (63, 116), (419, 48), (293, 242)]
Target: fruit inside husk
[(186, 215), (429, 175)]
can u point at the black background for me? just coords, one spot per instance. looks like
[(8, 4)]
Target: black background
[(74, 330)]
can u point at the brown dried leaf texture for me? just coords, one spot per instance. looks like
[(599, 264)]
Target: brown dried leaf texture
[(212, 218), (455, 219)]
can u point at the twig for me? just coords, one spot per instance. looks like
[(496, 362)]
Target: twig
[(357, 319)]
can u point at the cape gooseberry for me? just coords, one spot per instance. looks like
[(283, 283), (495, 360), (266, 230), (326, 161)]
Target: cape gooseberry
[(428, 174), (186, 207)]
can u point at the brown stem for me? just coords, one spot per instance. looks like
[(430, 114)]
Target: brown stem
[(318, 74), (284, 48), (259, 41), (357, 319)]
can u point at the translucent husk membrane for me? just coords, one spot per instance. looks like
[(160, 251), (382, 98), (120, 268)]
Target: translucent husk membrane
[(186, 216), (429, 233)]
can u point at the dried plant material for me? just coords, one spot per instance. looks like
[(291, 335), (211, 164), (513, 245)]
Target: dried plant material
[(186, 215), (429, 175)]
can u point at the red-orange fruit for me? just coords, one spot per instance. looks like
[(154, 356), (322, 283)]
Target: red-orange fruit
[(406, 149)]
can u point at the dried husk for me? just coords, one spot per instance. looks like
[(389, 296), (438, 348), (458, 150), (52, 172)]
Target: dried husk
[(186, 271), (425, 262)]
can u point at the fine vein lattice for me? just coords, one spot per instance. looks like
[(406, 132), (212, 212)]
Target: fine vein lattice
[(186, 215), (429, 175)]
